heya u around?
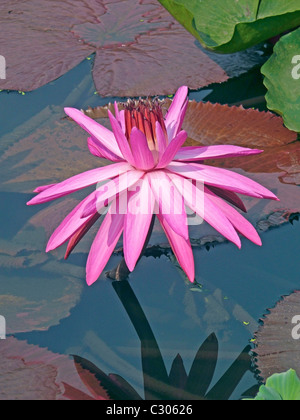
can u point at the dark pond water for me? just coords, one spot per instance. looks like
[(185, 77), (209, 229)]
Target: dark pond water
[(47, 304)]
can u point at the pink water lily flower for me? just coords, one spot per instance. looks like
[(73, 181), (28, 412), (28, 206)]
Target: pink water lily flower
[(148, 172)]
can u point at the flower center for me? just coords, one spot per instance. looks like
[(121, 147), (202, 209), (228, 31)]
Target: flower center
[(143, 114)]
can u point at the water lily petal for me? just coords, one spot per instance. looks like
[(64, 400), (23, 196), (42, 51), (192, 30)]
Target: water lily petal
[(181, 117), (181, 248), (229, 196), (105, 136), (121, 139), (140, 150), (200, 202), (96, 148), (174, 112), (212, 152), (237, 220), (70, 225), (161, 139), (80, 233), (103, 245), (77, 182), (137, 223), (220, 177), (120, 117), (170, 202), (43, 188), (175, 127), (172, 149)]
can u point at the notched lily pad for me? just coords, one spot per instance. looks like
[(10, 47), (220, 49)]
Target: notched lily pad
[(52, 150), (28, 372), (54, 296), (35, 293), (222, 124), (277, 340), (42, 41)]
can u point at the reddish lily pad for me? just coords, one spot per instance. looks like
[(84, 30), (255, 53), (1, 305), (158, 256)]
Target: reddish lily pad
[(221, 124), (277, 346), (28, 372), (35, 293), (53, 150), (140, 48), (54, 294)]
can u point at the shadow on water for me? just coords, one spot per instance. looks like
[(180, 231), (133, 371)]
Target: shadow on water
[(158, 384)]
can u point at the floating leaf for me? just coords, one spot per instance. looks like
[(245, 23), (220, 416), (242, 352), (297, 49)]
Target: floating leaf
[(210, 124), (53, 150), (232, 26), (28, 372), (42, 41), (53, 298), (35, 293), (277, 348), (282, 79), (222, 124), (280, 386)]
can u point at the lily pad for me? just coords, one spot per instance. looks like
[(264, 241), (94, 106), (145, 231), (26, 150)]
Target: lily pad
[(42, 41), (280, 387), (53, 150), (53, 298), (277, 346), (28, 372), (34, 295), (232, 26), (222, 124), (282, 79)]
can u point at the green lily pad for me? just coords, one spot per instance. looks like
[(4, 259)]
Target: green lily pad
[(282, 79), (280, 386), (230, 26)]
